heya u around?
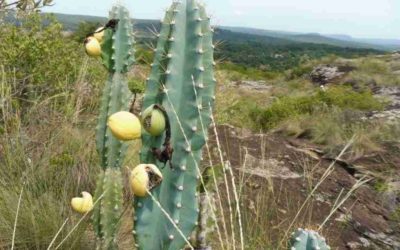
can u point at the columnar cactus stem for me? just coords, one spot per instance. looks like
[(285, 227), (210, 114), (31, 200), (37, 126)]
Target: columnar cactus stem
[(184, 55), (118, 56), (307, 240)]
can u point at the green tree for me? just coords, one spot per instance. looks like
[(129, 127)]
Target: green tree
[(84, 29), (24, 5)]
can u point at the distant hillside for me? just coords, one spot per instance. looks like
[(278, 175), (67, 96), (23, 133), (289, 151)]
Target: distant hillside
[(275, 53), (269, 50), (71, 22), (390, 44), (317, 38), (335, 40)]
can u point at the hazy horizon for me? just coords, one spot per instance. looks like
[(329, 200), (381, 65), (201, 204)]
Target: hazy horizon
[(359, 19)]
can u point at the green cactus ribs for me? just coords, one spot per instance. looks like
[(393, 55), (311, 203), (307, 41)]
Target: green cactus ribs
[(182, 82), (108, 211), (304, 239), (118, 56)]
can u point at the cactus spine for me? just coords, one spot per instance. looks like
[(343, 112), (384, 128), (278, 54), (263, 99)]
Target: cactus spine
[(117, 56), (182, 82), (304, 239)]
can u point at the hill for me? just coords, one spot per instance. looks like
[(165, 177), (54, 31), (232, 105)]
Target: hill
[(267, 50), (334, 39)]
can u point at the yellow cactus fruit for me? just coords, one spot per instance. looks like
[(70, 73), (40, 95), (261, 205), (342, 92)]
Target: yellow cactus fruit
[(125, 126), (153, 121), (82, 204), (144, 177), (92, 47), (99, 34)]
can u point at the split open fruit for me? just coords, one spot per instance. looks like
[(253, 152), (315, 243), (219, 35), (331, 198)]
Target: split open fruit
[(92, 47), (82, 204), (153, 121), (144, 178)]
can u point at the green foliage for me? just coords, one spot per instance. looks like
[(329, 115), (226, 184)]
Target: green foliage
[(182, 81), (24, 5), (374, 66), (246, 72), (265, 53), (346, 98), (40, 59), (371, 72), (144, 56), (300, 71), (276, 54), (31, 46), (85, 28), (292, 106)]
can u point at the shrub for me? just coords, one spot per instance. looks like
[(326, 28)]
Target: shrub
[(247, 72), (84, 28), (293, 106), (39, 59), (346, 98)]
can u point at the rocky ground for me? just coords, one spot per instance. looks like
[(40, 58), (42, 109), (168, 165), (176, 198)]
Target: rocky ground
[(368, 219), (365, 220)]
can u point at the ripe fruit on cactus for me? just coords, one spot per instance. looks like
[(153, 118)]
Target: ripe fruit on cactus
[(99, 34), (153, 120), (82, 204), (125, 126), (144, 177), (92, 47)]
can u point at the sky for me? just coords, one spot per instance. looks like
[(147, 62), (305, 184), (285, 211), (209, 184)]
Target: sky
[(358, 18)]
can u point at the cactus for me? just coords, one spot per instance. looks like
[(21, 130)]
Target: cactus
[(307, 240), (182, 83), (117, 56)]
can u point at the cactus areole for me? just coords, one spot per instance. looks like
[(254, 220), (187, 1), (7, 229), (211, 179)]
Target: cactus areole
[(182, 82)]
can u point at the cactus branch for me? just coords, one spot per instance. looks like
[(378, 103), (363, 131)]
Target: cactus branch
[(184, 52), (117, 57)]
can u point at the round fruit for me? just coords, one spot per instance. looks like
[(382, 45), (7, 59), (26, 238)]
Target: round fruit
[(92, 47), (99, 35), (125, 126), (153, 121), (82, 204), (144, 178)]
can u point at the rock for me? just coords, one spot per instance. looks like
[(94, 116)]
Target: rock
[(253, 85), (392, 94), (344, 218), (354, 245), (390, 116), (396, 56), (269, 168), (365, 242), (391, 196), (384, 239), (324, 74)]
